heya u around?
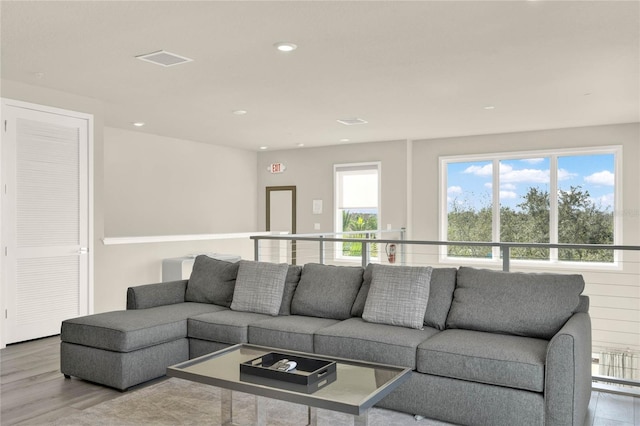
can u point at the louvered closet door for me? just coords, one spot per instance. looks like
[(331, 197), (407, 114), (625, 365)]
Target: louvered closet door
[(47, 194)]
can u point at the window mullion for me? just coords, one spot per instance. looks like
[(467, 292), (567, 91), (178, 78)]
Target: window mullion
[(495, 207), (553, 206)]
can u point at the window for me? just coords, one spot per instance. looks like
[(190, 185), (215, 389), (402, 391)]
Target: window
[(357, 195), (564, 196)]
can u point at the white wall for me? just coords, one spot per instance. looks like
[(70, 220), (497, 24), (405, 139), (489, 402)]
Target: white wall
[(156, 185)]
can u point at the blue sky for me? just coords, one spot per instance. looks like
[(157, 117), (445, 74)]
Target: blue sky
[(472, 181)]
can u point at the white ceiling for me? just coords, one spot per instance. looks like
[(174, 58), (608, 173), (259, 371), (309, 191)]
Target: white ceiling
[(413, 70)]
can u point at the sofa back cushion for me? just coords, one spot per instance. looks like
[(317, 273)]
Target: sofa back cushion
[(521, 304), (212, 281), (290, 285), (327, 291), (441, 287)]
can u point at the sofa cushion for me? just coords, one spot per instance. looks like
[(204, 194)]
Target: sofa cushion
[(293, 332), (495, 359), (126, 331), (522, 304), (290, 284), (327, 291), (212, 281), (361, 298), (398, 295), (259, 287), (358, 339), (224, 327), (441, 287)]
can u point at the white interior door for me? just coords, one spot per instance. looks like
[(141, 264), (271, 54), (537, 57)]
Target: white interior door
[(45, 219)]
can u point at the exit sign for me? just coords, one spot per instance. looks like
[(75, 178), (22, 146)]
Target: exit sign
[(277, 168)]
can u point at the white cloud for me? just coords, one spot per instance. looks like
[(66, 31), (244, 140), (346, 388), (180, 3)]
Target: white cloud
[(485, 170), (454, 190), (533, 160), (488, 185), (508, 195), (508, 175), (564, 174), (604, 177), (508, 186)]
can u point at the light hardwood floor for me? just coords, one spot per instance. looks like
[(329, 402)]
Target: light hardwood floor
[(34, 392)]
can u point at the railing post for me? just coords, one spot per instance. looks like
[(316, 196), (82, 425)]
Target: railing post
[(365, 251), (256, 249), (506, 254), (402, 249), (321, 253)]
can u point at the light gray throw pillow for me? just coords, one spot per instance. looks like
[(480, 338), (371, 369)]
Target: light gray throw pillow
[(259, 287), (398, 295)]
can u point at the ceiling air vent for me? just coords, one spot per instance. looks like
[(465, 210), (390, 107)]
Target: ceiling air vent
[(164, 58), (352, 121)]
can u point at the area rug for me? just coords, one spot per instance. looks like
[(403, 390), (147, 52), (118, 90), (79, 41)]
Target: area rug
[(181, 402)]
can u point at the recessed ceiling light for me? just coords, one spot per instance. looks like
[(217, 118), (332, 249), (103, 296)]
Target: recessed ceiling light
[(345, 140), (351, 121), (300, 145), (488, 107), (285, 46), (138, 123), (239, 112), (264, 147)]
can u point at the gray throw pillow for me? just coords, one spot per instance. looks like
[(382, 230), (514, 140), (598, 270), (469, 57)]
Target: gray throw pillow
[(398, 295), (211, 281), (290, 284), (327, 291), (441, 287), (522, 304), (259, 287)]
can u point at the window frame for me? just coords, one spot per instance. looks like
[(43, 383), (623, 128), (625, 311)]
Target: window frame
[(337, 218), (553, 155)]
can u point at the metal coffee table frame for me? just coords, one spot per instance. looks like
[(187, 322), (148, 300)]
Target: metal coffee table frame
[(358, 386)]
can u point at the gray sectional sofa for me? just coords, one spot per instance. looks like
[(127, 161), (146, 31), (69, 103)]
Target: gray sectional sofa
[(486, 347)]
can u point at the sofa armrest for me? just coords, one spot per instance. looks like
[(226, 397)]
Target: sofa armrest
[(151, 295), (568, 373)]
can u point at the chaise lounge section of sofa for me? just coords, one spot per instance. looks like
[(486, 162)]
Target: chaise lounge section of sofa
[(486, 347)]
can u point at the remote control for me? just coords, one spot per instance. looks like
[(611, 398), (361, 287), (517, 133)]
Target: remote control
[(284, 365)]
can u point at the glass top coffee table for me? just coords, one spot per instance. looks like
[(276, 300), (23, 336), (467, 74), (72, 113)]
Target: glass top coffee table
[(354, 389)]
